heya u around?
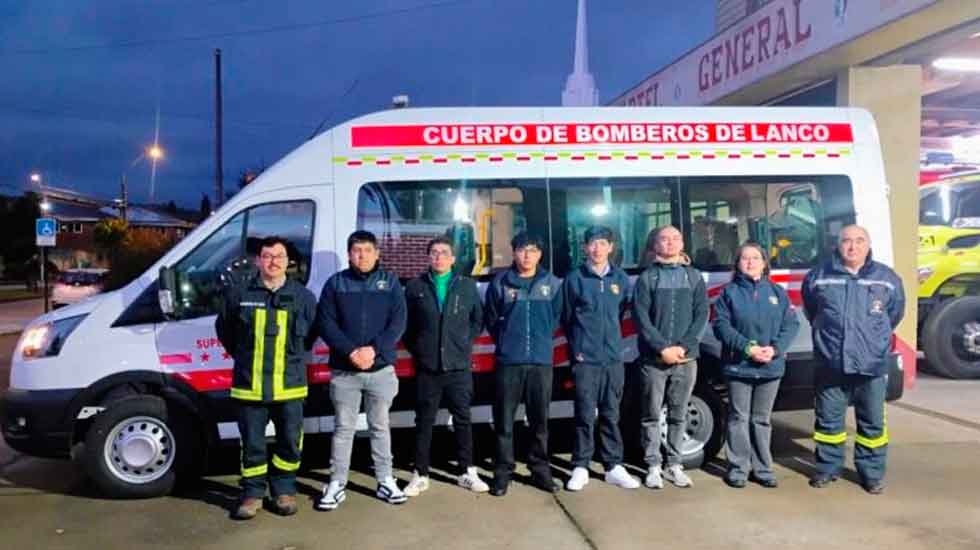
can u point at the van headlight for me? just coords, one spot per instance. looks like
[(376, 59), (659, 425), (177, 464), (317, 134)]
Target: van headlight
[(46, 340)]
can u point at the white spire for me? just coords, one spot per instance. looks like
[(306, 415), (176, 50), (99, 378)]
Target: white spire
[(580, 90)]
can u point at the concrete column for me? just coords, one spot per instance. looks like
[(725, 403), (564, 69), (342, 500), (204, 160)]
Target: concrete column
[(893, 95)]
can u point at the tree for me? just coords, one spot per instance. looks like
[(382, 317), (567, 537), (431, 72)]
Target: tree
[(205, 206), (18, 244), (109, 233), (171, 208), (139, 248)]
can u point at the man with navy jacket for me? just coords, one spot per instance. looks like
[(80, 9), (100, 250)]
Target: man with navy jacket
[(595, 297), (853, 304), (522, 310)]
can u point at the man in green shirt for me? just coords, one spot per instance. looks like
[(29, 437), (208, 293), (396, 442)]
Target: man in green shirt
[(444, 318)]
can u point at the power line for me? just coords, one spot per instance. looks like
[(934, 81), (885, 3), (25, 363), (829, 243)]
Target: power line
[(234, 34), (75, 115)]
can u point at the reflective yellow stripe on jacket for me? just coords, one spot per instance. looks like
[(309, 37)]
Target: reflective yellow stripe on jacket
[(255, 393), (279, 390)]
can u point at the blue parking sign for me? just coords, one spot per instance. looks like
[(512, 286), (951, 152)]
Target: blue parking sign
[(46, 231)]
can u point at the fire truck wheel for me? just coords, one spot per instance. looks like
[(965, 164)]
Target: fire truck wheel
[(951, 338)]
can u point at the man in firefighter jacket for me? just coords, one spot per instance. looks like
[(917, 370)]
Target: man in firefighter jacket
[(266, 323), (853, 304)]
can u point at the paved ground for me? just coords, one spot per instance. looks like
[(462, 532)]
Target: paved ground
[(932, 502)]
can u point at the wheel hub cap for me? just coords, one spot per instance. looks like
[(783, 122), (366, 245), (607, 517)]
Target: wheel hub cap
[(971, 338), (139, 449)]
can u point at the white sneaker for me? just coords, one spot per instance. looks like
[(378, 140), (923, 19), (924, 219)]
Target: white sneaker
[(333, 494), (471, 480), (579, 479), (654, 479), (675, 474), (619, 477), (389, 492), (417, 486)]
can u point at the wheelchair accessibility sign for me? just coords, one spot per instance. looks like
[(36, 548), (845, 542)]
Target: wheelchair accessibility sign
[(46, 231)]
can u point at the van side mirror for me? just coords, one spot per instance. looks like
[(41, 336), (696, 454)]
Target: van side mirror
[(168, 293)]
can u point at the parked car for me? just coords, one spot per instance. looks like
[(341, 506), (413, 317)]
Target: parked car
[(74, 285)]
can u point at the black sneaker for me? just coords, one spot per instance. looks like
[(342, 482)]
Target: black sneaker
[(874, 487), (767, 482), (735, 482), (499, 486), (545, 483), (821, 481)]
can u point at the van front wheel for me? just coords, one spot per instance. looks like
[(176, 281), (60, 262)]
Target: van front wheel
[(131, 448)]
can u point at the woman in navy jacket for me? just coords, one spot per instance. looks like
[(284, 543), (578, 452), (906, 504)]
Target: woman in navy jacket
[(756, 324)]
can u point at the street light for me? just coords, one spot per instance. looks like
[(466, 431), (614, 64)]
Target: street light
[(154, 153), (36, 180), (45, 208)]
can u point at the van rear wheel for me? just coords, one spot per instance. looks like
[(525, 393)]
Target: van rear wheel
[(131, 448)]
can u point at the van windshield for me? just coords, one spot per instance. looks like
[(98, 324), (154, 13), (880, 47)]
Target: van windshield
[(950, 205)]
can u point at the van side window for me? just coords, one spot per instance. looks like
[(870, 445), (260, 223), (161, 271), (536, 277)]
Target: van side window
[(480, 216), (786, 217), (631, 207), (228, 253)]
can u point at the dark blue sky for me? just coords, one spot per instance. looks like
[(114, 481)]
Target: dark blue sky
[(82, 81)]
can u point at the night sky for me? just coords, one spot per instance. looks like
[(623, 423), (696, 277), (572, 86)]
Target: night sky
[(83, 80)]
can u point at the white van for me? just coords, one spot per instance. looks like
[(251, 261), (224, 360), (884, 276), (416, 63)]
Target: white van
[(135, 382)]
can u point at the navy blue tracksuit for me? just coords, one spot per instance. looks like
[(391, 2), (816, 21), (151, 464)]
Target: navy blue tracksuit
[(853, 317), (592, 311), (521, 314)]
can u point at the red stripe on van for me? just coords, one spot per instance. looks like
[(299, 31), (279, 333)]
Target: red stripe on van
[(206, 380), (176, 359)]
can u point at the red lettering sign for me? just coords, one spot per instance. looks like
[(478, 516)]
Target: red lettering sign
[(626, 133)]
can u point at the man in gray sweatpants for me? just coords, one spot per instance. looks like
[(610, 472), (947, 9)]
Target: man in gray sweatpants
[(361, 316), (671, 311)]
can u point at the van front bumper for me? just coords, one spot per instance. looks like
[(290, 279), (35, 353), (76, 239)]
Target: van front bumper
[(36, 422)]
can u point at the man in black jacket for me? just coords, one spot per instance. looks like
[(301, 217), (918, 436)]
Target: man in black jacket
[(266, 324), (671, 312), (361, 316), (444, 318)]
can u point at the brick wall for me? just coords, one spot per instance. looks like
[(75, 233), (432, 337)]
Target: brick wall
[(405, 255)]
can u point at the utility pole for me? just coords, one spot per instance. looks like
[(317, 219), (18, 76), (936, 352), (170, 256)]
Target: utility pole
[(219, 191), (124, 197)]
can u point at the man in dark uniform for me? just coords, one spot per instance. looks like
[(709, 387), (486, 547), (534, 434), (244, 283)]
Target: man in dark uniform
[(853, 304), (266, 323), (523, 308)]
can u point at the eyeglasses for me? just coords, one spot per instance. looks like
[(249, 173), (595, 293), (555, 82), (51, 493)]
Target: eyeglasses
[(440, 254), (270, 257)]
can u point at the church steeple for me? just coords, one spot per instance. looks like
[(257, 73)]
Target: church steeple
[(580, 89)]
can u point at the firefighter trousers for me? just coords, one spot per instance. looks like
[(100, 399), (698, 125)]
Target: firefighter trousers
[(279, 471), (835, 392)]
